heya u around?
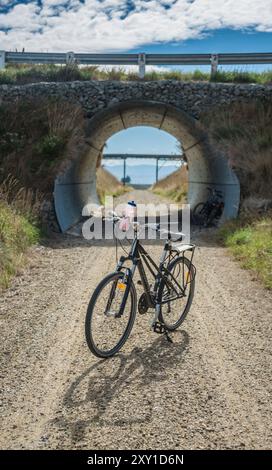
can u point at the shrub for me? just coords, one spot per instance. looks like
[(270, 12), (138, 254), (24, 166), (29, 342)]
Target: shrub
[(51, 146)]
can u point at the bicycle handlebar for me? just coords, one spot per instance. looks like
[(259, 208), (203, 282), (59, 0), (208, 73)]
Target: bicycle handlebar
[(177, 235), (215, 191)]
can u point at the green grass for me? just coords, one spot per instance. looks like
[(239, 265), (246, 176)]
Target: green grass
[(22, 74), (51, 147), (251, 243), (17, 234)]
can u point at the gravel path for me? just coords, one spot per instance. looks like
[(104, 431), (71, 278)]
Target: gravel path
[(141, 196), (210, 389)]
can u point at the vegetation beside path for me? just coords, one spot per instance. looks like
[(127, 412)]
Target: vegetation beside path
[(243, 133), (22, 74), (250, 241), (108, 184), (17, 234), (20, 225), (173, 186)]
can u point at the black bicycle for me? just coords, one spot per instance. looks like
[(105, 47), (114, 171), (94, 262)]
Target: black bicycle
[(209, 212), (112, 309)]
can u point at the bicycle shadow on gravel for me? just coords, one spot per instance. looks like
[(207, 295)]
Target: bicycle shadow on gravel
[(107, 389)]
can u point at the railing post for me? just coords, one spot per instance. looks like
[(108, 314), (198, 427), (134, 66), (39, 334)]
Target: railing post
[(70, 58), (2, 59), (214, 65), (141, 63)]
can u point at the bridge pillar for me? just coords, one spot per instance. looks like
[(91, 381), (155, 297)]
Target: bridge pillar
[(2, 59), (157, 169)]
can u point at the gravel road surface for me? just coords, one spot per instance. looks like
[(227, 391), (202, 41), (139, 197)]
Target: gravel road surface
[(210, 389)]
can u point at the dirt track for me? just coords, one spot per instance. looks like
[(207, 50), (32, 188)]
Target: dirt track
[(211, 388)]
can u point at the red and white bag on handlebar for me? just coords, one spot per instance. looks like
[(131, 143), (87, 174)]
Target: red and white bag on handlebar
[(128, 217)]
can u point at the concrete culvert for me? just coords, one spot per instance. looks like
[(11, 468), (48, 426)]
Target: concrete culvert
[(77, 186)]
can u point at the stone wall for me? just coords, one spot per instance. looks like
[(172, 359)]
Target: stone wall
[(93, 96)]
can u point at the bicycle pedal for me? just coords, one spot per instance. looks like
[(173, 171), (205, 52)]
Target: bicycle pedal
[(159, 328)]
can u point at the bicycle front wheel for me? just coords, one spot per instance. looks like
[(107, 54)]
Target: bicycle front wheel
[(105, 329), (175, 306), (199, 213)]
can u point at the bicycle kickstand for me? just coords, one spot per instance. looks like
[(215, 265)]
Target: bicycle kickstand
[(168, 337), (159, 327)]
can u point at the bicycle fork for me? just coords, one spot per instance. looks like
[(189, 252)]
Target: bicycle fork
[(127, 280)]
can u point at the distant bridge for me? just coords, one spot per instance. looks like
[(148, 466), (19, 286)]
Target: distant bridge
[(125, 156)]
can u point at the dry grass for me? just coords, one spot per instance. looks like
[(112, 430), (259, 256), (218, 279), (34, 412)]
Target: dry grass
[(21, 74), (173, 186), (37, 138), (243, 132), (25, 202), (107, 184)]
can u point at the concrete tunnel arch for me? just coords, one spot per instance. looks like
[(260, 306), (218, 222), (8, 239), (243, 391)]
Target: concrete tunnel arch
[(76, 187)]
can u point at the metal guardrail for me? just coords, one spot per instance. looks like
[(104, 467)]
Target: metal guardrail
[(141, 60)]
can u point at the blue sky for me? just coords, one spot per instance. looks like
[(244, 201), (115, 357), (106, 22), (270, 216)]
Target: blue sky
[(136, 25), (143, 140), (170, 26)]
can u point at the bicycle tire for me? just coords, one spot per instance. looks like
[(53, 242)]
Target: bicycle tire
[(191, 285), (198, 208), (199, 213), (90, 314)]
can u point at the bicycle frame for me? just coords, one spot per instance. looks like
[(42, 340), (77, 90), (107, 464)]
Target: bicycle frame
[(140, 258)]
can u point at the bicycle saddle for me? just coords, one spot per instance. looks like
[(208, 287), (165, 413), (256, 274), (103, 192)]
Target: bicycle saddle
[(171, 235)]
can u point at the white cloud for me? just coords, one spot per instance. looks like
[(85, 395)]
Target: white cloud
[(97, 26)]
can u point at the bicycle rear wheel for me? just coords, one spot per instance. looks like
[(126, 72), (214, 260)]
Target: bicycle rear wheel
[(174, 308), (199, 214), (106, 331), (214, 216)]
